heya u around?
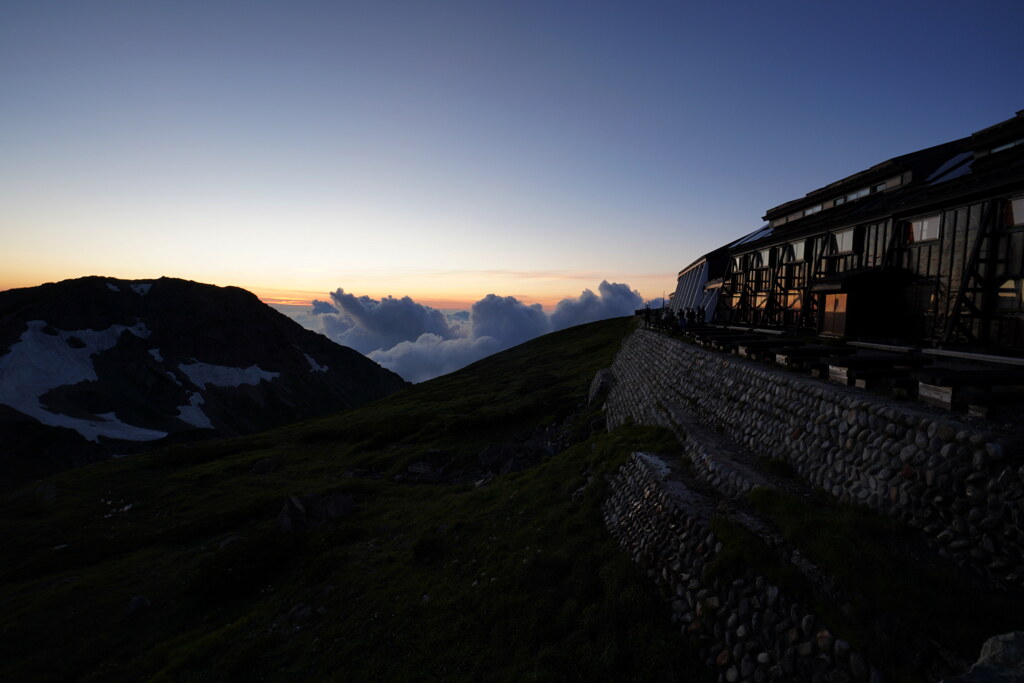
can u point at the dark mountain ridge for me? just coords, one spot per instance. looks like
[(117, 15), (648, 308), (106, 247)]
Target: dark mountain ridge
[(98, 366)]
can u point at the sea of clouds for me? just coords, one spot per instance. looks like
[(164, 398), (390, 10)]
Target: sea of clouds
[(420, 342)]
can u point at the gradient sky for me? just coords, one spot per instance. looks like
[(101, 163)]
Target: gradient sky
[(444, 150)]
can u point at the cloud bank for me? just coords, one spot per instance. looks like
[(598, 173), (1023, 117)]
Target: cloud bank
[(420, 342)]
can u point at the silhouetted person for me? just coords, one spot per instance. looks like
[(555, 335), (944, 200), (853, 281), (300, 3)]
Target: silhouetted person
[(670, 321)]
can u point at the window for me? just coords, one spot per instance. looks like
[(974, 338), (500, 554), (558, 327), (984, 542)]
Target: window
[(862, 192), (760, 300), (878, 188), (793, 300), (833, 319), (842, 242), (1010, 298), (814, 209), (737, 264), (1008, 145), (924, 229), (795, 252), (793, 276), (765, 257), (1017, 211), (841, 200)]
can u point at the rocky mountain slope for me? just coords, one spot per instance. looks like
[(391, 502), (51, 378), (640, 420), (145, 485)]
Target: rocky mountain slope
[(95, 367)]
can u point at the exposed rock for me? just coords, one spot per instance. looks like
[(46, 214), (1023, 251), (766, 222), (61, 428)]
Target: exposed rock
[(1001, 661), (137, 604), (234, 538), (302, 512), (600, 386), (421, 468)]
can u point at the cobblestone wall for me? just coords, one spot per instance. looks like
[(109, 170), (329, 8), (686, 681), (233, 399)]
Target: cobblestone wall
[(746, 629), (962, 485)]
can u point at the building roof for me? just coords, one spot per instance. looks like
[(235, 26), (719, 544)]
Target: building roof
[(962, 160), (919, 165), (982, 162)]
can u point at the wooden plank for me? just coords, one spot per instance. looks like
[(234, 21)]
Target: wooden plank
[(936, 395), (987, 358), (884, 347), (839, 374)]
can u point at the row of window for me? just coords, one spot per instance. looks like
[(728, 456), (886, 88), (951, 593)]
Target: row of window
[(791, 299), (1010, 292), (840, 242), (926, 229), (842, 199), (870, 189)]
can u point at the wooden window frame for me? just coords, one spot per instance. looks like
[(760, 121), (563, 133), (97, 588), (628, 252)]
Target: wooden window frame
[(834, 246), (912, 232), (789, 252), (1015, 212)]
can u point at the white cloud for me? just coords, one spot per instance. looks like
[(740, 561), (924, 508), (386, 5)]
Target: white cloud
[(322, 307), (508, 320), (420, 342), (369, 325), (431, 356), (615, 300)]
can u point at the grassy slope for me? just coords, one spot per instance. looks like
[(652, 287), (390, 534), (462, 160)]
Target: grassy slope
[(511, 581)]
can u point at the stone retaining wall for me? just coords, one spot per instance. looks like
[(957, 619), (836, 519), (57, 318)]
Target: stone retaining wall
[(963, 486), (746, 629)]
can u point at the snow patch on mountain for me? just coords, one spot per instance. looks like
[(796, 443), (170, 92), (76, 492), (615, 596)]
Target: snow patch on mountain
[(142, 288), (156, 355), (193, 414), (112, 287), (112, 428), (313, 365), (45, 358), (202, 374)]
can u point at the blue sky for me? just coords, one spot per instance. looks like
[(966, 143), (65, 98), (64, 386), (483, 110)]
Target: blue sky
[(447, 150)]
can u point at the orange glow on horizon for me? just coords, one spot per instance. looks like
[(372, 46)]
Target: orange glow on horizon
[(300, 298), (456, 290)]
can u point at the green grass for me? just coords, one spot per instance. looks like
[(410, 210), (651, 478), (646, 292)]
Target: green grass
[(510, 581)]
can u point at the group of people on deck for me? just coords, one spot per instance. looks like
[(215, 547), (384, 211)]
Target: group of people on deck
[(667, 320)]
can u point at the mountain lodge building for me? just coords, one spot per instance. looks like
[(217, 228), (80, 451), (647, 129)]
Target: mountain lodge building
[(925, 248)]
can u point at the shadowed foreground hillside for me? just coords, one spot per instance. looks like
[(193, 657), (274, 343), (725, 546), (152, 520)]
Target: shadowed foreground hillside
[(372, 545)]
